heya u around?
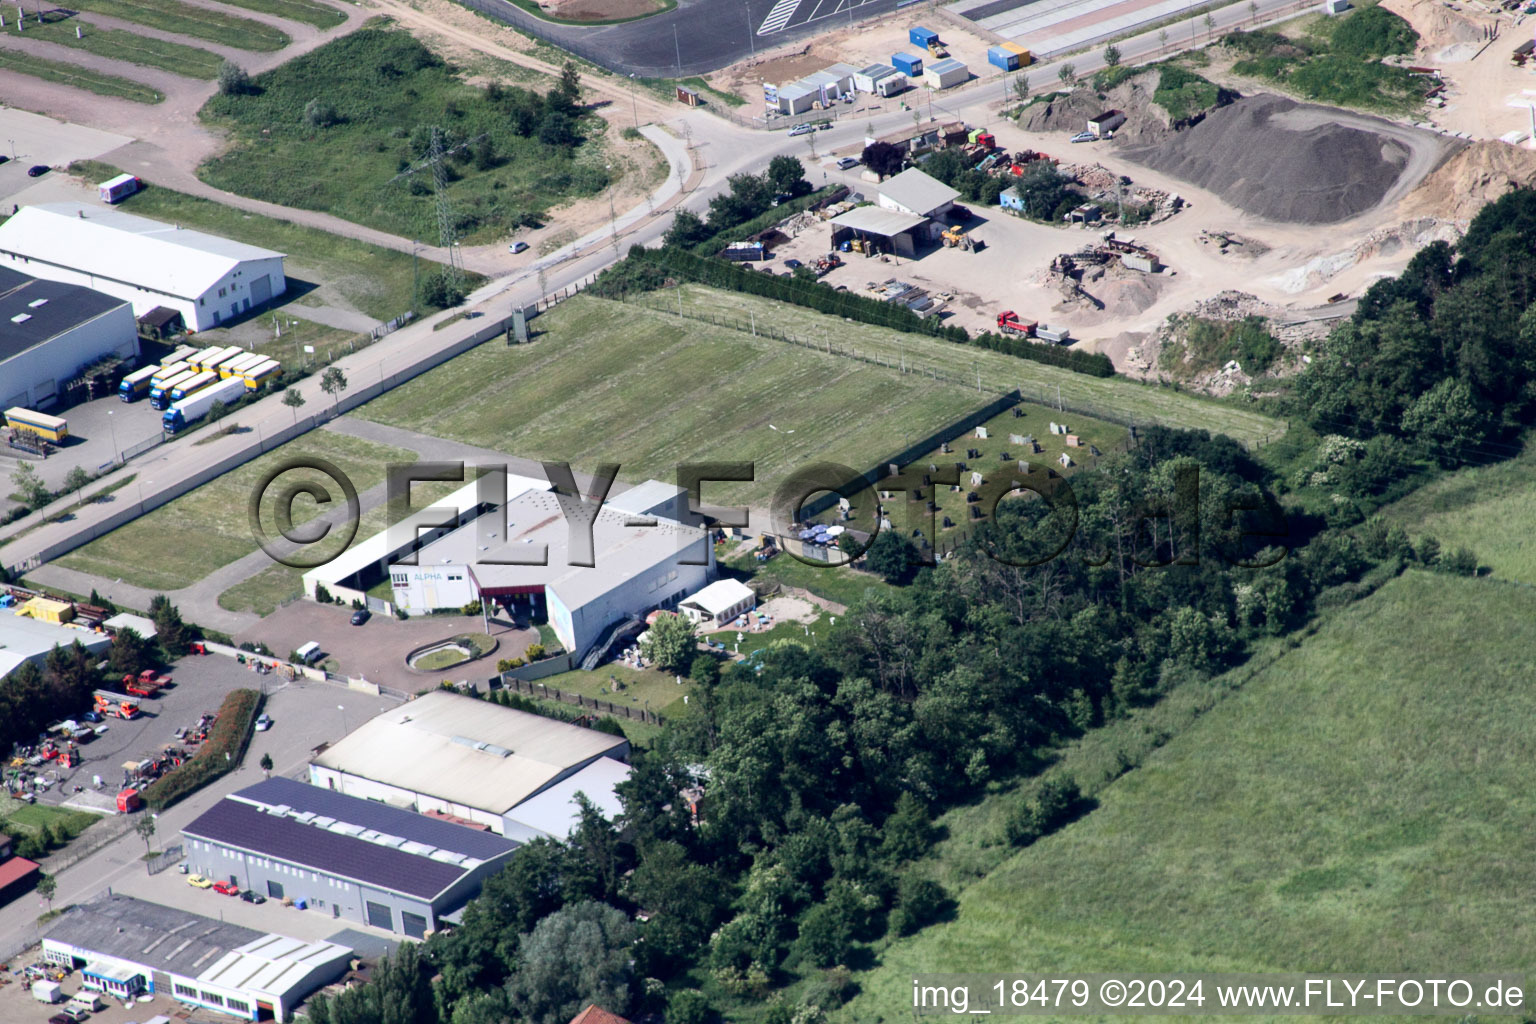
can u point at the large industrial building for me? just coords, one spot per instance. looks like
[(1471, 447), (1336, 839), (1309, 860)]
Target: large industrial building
[(124, 947), (449, 754), (344, 856), (50, 331), (207, 279), (25, 639), (642, 555)]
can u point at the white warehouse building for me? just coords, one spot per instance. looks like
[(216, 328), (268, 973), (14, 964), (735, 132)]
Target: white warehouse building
[(640, 549), (207, 279), (49, 332)]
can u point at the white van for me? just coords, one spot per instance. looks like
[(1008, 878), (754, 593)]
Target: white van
[(86, 1000), (309, 653)]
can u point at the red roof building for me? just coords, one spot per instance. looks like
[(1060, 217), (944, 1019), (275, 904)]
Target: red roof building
[(17, 874), (597, 1015)]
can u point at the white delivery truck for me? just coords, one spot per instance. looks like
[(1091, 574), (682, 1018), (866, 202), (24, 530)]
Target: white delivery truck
[(190, 410), (45, 991)]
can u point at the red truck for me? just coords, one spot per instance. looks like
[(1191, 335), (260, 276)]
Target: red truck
[(146, 684), (1008, 322)]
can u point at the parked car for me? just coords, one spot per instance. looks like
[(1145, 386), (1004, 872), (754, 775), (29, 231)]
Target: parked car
[(76, 1014), (5, 159), (801, 129), (825, 126), (263, 723), (792, 264), (60, 1018), (252, 896), (517, 247), (361, 616), (1084, 137), (199, 882), (37, 170), (846, 162), (226, 888), (91, 716)]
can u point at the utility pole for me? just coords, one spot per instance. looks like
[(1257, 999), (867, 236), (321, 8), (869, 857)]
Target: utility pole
[(751, 42), (634, 104), (678, 47)]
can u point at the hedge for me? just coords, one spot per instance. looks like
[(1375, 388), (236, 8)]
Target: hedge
[(230, 734), (649, 269)]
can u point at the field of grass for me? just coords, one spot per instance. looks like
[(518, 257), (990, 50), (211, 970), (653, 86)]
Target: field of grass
[(1359, 804), (322, 16), (59, 27), (511, 160), (1489, 509), (609, 382), (179, 543), (197, 22), (77, 76), (832, 582), (33, 818), (376, 280), (1115, 398), (642, 687)]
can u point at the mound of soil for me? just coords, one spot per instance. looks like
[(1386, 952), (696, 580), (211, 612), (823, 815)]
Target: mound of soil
[(1468, 181), (1275, 158), (1145, 121)]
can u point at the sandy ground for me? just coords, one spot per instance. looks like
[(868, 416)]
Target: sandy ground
[(860, 46), (778, 609)]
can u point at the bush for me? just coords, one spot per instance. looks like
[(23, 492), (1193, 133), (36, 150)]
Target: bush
[(535, 652), (1372, 33), (220, 755), (1057, 802)]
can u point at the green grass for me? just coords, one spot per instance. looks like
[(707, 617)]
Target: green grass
[(197, 22), (322, 16), (532, 7), (1115, 398), (1489, 509), (1360, 801), (33, 817), (79, 77), (266, 591), (179, 543), (373, 279), (840, 584), (642, 686), (610, 382), (388, 90), (59, 27), (666, 89), (438, 660)]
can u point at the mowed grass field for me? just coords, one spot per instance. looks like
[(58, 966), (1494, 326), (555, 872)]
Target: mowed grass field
[(81, 78), (59, 27), (1489, 509), (322, 16), (180, 542), (197, 22), (1362, 803), (608, 382), (1117, 397)]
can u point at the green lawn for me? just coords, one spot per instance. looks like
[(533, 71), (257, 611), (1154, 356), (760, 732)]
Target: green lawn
[(32, 818), (59, 27), (77, 76), (375, 280), (1361, 803), (265, 591), (609, 382), (181, 542), (197, 22), (509, 162), (1117, 398), (640, 686), (834, 583), (322, 16), (1490, 509)]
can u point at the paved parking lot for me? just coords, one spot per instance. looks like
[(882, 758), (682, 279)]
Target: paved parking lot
[(18, 1007), (377, 650)]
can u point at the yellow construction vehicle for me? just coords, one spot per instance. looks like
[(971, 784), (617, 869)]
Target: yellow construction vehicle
[(955, 238)]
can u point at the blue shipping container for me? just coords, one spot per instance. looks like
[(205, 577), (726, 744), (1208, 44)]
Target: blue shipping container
[(907, 64), (922, 36), (1005, 59)]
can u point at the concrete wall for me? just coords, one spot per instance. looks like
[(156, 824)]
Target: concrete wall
[(35, 378), (368, 789)]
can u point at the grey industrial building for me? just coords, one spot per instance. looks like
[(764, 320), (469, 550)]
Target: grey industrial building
[(125, 948), (448, 754), (344, 856), (50, 331), (25, 639)]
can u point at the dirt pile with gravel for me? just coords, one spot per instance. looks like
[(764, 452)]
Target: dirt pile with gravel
[(1145, 121), (1469, 180), (1281, 160)]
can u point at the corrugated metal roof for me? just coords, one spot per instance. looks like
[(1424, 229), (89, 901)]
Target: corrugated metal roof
[(948, 64), (917, 191), (879, 221), (272, 965), (555, 812), (411, 747), (109, 243)]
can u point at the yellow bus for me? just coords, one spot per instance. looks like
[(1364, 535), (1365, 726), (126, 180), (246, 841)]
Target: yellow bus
[(202, 355), (259, 374), (169, 370), (236, 367), (49, 428)]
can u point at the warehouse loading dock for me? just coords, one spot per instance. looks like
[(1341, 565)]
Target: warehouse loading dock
[(878, 230)]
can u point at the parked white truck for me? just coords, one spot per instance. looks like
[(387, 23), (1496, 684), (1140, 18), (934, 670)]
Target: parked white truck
[(190, 410)]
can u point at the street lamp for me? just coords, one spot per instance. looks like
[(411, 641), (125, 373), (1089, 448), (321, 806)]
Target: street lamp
[(343, 709), (112, 425)]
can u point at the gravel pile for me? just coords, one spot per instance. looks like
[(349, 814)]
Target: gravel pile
[(1277, 159)]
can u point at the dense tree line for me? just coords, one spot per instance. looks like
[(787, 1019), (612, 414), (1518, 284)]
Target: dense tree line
[(745, 198), (1441, 358), (651, 269)]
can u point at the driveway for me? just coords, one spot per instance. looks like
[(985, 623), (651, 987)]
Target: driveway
[(377, 651)]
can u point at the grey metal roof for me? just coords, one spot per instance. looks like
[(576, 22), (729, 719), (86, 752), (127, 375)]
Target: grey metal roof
[(878, 221), (49, 308), (155, 936), (918, 192), (300, 797), (314, 846)]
